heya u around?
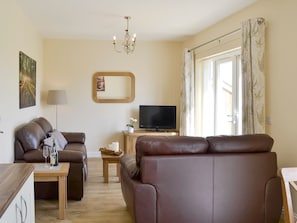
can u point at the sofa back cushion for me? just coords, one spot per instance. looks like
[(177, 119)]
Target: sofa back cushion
[(44, 124), (169, 145), (30, 136), (240, 143)]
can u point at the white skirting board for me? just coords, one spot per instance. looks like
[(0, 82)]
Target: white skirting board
[(94, 154)]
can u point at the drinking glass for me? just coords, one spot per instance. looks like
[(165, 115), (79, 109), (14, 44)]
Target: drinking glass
[(45, 153)]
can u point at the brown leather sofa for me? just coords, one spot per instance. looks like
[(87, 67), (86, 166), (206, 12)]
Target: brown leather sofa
[(219, 179), (28, 148)]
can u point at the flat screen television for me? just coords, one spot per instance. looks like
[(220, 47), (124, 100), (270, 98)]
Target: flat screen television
[(157, 117)]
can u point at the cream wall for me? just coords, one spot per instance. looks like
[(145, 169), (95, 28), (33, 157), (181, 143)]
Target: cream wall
[(17, 34), (70, 65), (280, 68)]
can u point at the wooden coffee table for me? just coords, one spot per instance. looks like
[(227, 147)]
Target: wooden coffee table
[(107, 159), (54, 174)]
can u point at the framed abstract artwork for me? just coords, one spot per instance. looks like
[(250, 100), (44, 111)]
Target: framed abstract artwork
[(27, 81)]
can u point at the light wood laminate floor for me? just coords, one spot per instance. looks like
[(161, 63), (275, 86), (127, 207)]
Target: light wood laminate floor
[(102, 203)]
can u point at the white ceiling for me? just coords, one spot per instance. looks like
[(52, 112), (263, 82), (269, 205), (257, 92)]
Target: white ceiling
[(150, 19)]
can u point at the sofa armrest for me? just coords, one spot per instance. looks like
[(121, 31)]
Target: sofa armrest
[(71, 156), (141, 199), (128, 164), (75, 137), (273, 200)]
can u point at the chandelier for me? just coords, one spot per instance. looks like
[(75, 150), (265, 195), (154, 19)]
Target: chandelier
[(128, 44)]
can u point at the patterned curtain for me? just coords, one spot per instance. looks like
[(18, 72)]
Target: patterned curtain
[(187, 95), (252, 56)]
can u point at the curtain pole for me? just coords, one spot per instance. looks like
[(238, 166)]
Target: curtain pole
[(222, 36)]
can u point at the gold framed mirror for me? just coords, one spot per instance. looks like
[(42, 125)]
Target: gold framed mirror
[(113, 87)]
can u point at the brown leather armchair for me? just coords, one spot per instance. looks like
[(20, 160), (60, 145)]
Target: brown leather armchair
[(28, 148), (218, 179)]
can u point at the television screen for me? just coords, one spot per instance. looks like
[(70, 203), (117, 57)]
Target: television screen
[(157, 117)]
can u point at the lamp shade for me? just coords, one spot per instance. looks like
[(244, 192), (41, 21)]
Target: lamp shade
[(56, 97)]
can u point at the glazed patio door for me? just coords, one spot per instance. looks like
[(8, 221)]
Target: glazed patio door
[(227, 96)]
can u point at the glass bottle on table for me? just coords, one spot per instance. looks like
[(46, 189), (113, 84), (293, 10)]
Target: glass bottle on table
[(54, 155)]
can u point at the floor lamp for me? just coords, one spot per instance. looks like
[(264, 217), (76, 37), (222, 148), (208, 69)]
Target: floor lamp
[(56, 97)]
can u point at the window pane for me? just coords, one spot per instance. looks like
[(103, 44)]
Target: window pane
[(224, 98), (218, 95)]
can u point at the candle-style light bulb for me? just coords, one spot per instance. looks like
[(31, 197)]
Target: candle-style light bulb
[(114, 40)]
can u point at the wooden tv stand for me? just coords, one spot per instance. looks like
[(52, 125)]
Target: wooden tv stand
[(130, 138)]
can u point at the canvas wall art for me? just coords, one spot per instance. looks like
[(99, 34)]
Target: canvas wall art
[(27, 81)]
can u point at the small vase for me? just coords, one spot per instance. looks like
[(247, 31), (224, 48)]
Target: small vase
[(130, 129)]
